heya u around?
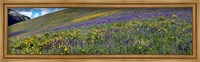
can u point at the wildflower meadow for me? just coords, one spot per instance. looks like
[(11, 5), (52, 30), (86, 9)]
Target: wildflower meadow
[(105, 31)]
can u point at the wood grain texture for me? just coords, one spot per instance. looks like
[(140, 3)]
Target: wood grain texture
[(1, 31), (37, 4), (101, 1), (198, 32), (100, 60), (103, 56)]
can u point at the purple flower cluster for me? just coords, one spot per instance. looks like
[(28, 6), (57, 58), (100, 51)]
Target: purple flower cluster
[(131, 14)]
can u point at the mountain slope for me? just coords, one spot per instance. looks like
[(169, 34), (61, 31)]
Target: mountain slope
[(55, 19)]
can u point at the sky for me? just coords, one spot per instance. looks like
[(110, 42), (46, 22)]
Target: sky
[(36, 12)]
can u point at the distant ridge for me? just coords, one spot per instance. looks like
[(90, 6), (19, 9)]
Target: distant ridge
[(15, 17)]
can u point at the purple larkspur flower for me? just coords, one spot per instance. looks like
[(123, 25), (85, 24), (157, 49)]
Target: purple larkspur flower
[(188, 43), (176, 49), (81, 44), (116, 30), (73, 46), (115, 44), (181, 47), (105, 44), (57, 43), (187, 31), (110, 45), (131, 40), (47, 48), (126, 41)]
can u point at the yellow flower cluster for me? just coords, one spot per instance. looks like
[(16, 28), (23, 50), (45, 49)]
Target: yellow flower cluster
[(162, 28)]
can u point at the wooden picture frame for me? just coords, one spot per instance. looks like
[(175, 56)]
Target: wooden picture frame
[(194, 4)]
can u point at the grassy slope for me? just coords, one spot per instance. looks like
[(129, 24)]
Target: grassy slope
[(55, 19), (151, 36), (104, 39)]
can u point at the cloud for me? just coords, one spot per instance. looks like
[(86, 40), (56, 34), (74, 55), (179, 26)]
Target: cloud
[(28, 11), (45, 12), (36, 15)]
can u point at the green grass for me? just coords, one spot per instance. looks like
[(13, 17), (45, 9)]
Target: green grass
[(131, 37), (52, 20)]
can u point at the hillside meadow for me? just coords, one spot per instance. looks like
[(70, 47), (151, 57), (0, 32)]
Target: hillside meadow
[(105, 31)]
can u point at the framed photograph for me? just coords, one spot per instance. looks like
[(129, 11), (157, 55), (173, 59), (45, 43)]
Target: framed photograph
[(116, 30)]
